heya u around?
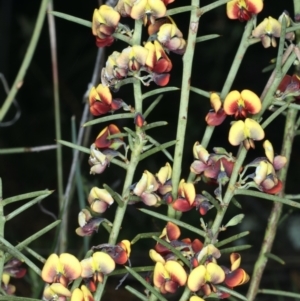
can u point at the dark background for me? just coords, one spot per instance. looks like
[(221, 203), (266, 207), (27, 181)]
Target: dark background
[(27, 172)]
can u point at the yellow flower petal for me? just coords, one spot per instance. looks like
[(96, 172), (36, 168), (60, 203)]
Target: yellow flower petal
[(196, 278)]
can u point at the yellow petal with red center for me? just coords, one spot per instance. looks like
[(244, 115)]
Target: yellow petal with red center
[(232, 102), (164, 174), (77, 295), (139, 53), (160, 275), (215, 101), (252, 101), (269, 26), (253, 129), (235, 259), (156, 257), (50, 268), (261, 172), (126, 245), (97, 20), (103, 262), (196, 298), (237, 277), (200, 152), (86, 294), (236, 133), (152, 184), (176, 272), (214, 273), (157, 8), (70, 265), (55, 289), (111, 16), (150, 60), (172, 231), (269, 151), (104, 94), (88, 267), (196, 278), (189, 192)]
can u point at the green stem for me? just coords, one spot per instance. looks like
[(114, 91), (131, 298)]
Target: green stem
[(184, 101), (276, 210), (27, 59), (279, 293), (2, 224), (59, 161)]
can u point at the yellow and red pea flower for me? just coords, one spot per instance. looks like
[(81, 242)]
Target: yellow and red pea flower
[(97, 160), (235, 276), (103, 141), (56, 291), (241, 104), (267, 31), (243, 9), (101, 101), (88, 224), (104, 24), (210, 273), (289, 86), (171, 38), (148, 10), (146, 187), (120, 252), (96, 266), (82, 294), (169, 276), (99, 199), (245, 132), (217, 115), (62, 269), (13, 269)]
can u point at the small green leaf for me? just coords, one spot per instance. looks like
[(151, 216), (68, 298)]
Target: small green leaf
[(136, 293), (10, 249), (157, 149), (274, 257), (35, 255), (231, 292), (235, 220), (152, 105), (115, 195), (25, 196), (72, 145), (156, 143), (143, 235), (24, 207), (71, 18), (136, 269), (212, 200), (154, 125), (207, 37), (235, 249), (231, 239), (158, 91), (180, 10), (146, 284), (173, 220), (173, 250), (200, 92), (269, 68), (236, 203), (109, 118)]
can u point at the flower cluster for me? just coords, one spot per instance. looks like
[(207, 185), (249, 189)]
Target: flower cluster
[(59, 271), (203, 272)]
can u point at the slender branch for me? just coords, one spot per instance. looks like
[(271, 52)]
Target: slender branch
[(184, 101), (26, 62)]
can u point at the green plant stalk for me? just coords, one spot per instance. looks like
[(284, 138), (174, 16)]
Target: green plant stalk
[(2, 224), (59, 162), (270, 197), (276, 210), (134, 160), (17, 150), (184, 102), (26, 62), (25, 196), (279, 293)]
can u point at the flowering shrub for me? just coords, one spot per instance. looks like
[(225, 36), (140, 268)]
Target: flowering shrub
[(189, 268)]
